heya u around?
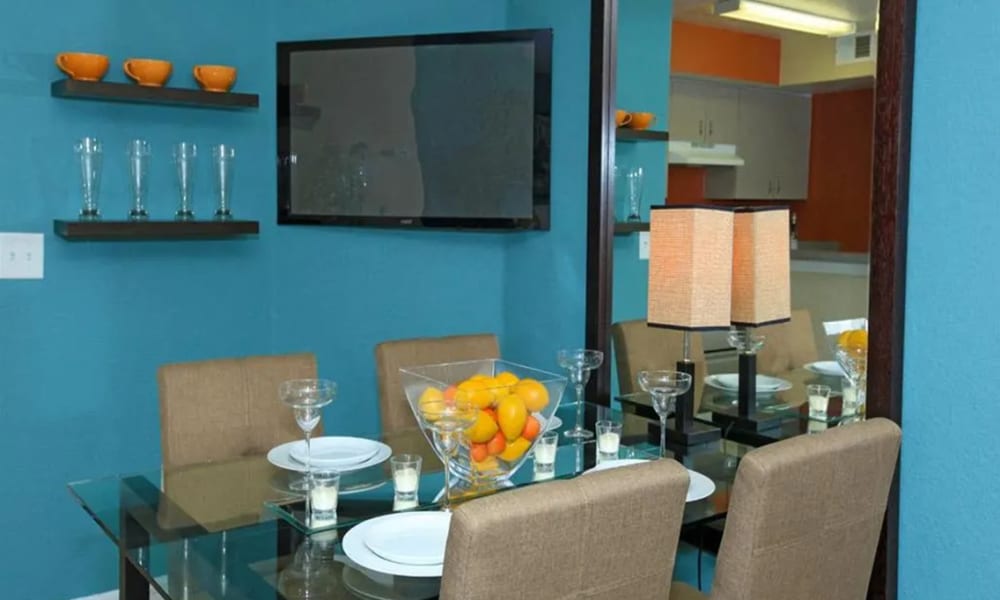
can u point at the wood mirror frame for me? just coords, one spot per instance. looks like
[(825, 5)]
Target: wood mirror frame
[(886, 289)]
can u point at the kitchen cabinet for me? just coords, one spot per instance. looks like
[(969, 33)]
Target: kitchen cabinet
[(773, 129), (703, 112)]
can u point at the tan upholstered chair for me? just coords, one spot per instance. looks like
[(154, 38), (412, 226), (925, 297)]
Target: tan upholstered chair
[(391, 356), (788, 346), (805, 517), (639, 347), (610, 534), (222, 409)]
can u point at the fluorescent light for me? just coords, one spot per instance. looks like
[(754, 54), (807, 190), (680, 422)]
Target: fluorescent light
[(784, 18)]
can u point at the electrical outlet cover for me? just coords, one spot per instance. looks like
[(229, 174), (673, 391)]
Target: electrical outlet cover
[(644, 245), (22, 256)]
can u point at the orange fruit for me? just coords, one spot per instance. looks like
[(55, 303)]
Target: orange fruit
[(512, 415), (492, 412), (475, 393), (478, 452), (534, 394), (449, 394), (497, 445), (482, 430), (855, 340), (532, 427), (515, 450)]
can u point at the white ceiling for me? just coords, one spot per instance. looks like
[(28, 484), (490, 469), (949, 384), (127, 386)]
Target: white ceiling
[(862, 12)]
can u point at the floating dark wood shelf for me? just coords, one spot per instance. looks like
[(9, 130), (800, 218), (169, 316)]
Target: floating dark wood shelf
[(624, 134), (152, 230), (630, 227), (130, 92)]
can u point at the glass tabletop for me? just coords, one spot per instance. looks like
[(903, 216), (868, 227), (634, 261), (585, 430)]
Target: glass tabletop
[(234, 529)]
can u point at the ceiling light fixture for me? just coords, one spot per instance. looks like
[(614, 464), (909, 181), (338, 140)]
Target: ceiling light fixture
[(784, 18)]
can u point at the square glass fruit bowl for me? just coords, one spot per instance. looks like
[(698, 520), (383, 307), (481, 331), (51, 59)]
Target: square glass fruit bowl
[(515, 403)]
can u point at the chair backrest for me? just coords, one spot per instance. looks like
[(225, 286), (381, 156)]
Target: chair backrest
[(222, 409), (639, 347), (391, 356), (611, 534), (805, 515), (788, 345)]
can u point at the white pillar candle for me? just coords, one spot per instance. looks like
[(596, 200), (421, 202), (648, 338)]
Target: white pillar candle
[(406, 480), (545, 454), (607, 443), (324, 498), (818, 404), (850, 399)]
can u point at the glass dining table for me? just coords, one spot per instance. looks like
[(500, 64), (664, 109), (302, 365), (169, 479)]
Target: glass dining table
[(234, 529)]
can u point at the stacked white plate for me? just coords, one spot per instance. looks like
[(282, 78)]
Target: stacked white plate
[(408, 544), (699, 488), (830, 368), (341, 453), (730, 382)]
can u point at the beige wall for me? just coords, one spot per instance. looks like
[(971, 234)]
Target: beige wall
[(829, 297), (811, 58)]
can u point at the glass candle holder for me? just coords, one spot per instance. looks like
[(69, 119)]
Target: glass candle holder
[(185, 154), (406, 476), (609, 435), (819, 400), (323, 496), (139, 153), (545, 452), (223, 159)]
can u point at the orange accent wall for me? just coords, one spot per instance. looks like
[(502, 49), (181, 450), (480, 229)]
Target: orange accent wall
[(840, 170), (713, 52)]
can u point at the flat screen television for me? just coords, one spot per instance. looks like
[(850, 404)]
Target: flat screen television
[(442, 131)]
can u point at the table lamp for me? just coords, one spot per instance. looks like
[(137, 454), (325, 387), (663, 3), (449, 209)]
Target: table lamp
[(761, 295), (690, 279)]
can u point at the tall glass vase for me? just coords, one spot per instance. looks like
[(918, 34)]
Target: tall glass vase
[(139, 153), (90, 155), (185, 154), (223, 157)]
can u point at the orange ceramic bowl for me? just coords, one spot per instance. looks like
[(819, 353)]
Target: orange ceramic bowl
[(83, 66), (214, 78), (622, 117), (641, 120), (148, 71)]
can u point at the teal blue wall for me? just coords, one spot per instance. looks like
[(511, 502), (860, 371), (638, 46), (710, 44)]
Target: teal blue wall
[(950, 460), (643, 85), (79, 349)]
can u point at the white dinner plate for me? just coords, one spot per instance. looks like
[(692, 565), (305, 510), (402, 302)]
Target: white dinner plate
[(553, 423), (279, 456), (414, 538), (335, 451), (830, 368), (355, 548), (730, 382), (699, 488)]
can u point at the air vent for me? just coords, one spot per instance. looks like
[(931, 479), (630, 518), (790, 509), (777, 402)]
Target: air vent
[(856, 48)]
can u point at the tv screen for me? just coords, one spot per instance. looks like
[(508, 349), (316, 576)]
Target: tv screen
[(445, 130)]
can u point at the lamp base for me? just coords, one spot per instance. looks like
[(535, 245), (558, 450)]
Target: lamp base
[(755, 421), (697, 433)]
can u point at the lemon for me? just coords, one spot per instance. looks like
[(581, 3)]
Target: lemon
[(512, 415), (483, 429), (534, 394), (474, 392), (515, 450)]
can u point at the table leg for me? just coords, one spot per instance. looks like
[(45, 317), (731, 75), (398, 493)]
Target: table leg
[(131, 583)]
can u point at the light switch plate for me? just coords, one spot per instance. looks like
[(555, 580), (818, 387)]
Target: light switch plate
[(22, 256), (643, 245)]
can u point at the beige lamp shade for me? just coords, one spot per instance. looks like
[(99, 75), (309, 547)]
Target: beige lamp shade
[(761, 266), (690, 267)]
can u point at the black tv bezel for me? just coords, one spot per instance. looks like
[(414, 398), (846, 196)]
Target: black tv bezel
[(541, 201)]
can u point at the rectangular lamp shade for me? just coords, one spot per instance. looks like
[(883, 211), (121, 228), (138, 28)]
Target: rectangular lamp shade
[(761, 266), (690, 267)]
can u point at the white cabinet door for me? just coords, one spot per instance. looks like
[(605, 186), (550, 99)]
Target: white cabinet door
[(687, 111), (791, 158), (755, 144), (722, 110)]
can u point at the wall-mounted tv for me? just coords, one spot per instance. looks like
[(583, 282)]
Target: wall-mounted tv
[(440, 131)]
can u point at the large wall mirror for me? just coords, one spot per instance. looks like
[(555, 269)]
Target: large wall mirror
[(704, 103)]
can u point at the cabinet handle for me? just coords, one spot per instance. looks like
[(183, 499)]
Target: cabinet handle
[(701, 127), (711, 127), (770, 187)]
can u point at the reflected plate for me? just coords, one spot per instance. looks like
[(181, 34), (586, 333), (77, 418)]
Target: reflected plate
[(830, 368), (730, 382), (699, 488)]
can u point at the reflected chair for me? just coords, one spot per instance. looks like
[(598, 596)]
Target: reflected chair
[(216, 410), (639, 347), (391, 356), (788, 346), (611, 534), (805, 517)]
